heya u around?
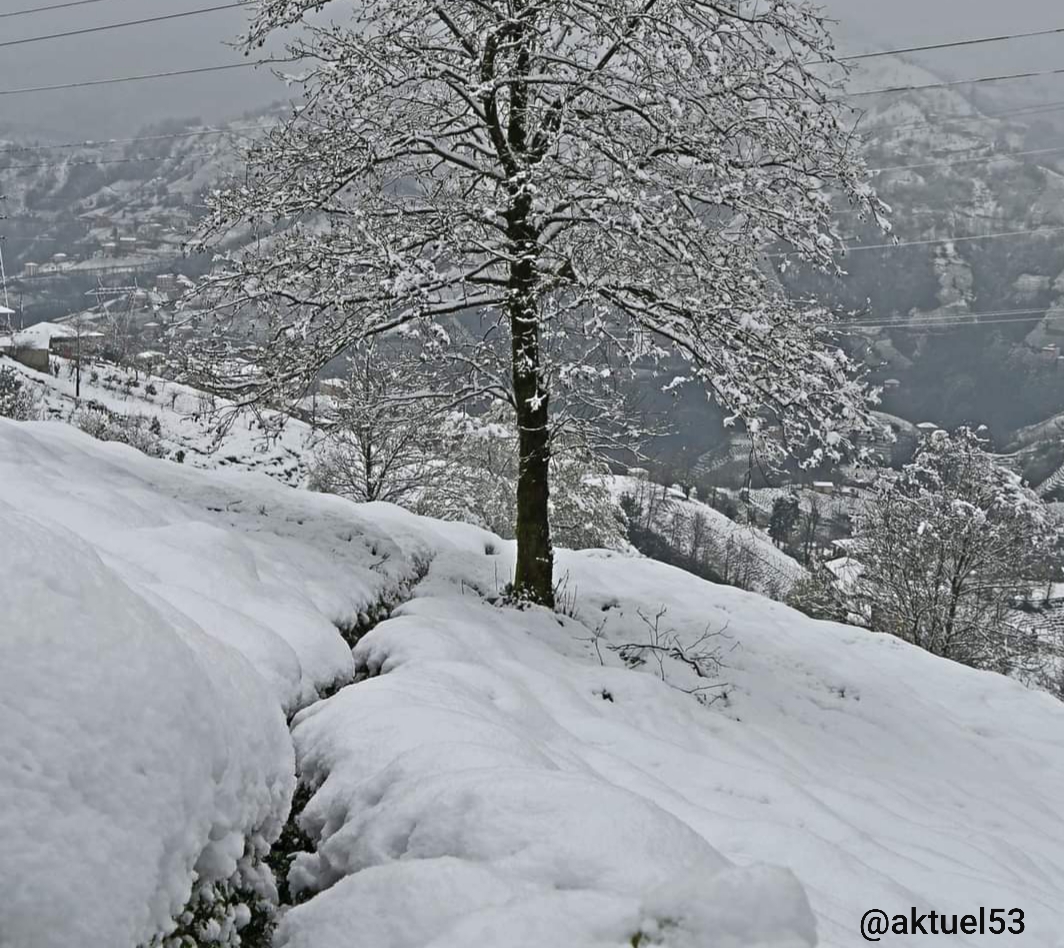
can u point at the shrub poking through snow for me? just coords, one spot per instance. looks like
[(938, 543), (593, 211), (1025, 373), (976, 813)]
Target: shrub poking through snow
[(238, 912), (16, 400)]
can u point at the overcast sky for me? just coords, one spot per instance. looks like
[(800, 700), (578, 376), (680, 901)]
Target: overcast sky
[(198, 41), (115, 109), (885, 24)]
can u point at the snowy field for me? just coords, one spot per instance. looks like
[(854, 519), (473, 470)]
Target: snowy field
[(493, 777)]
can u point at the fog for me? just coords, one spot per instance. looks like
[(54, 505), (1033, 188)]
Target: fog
[(200, 41)]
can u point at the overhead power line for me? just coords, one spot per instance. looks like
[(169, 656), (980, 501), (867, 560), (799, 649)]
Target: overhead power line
[(111, 142), (948, 162), (959, 82), (955, 240), (956, 118), (953, 44), (897, 245), (52, 6), (127, 23), (948, 322), (930, 319), (85, 83)]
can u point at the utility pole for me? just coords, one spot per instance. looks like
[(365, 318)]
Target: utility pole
[(8, 312), (3, 272)]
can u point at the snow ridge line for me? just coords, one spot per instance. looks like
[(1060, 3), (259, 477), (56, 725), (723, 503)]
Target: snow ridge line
[(293, 840)]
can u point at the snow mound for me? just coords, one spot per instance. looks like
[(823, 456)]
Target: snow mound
[(134, 752), (611, 805), (434, 795), (269, 571), (155, 623)]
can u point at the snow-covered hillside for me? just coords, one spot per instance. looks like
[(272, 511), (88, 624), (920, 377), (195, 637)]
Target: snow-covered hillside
[(187, 431), (493, 776), (740, 553)]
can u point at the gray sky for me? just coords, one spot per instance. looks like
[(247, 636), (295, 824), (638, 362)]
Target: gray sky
[(116, 109), (198, 41), (884, 24)]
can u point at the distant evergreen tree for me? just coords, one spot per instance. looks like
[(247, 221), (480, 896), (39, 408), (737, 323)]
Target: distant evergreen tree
[(785, 514)]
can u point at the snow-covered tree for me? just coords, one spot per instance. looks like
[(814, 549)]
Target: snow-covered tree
[(382, 429), (947, 548), (549, 191)]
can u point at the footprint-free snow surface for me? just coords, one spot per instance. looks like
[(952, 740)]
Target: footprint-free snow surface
[(494, 777)]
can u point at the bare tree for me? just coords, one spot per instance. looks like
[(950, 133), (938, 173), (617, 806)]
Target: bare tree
[(808, 525), (549, 191), (383, 438)]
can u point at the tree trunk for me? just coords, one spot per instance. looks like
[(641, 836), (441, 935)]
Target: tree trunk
[(534, 574)]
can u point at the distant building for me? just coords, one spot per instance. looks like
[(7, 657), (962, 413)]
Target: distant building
[(126, 244), (31, 269), (332, 387), (824, 487)]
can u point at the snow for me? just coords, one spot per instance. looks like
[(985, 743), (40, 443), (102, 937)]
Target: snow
[(495, 776), (182, 412), (874, 772), (134, 750)]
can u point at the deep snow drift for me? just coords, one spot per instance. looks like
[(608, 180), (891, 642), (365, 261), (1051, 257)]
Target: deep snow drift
[(496, 777)]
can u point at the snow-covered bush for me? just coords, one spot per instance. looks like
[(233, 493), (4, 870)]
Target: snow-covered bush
[(947, 549), (16, 400), (818, 596), (238, 912), (145, 767), (137, 431), (383, 439)]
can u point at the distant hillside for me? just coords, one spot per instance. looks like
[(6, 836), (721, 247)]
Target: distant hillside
[(950, 173), (113, 211)]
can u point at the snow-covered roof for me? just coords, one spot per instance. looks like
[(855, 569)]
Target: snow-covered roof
[(845, 569), (4, 311), (40, 335)]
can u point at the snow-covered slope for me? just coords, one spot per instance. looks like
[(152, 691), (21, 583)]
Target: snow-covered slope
[(752, 559), (496, 777), (186, 429)]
